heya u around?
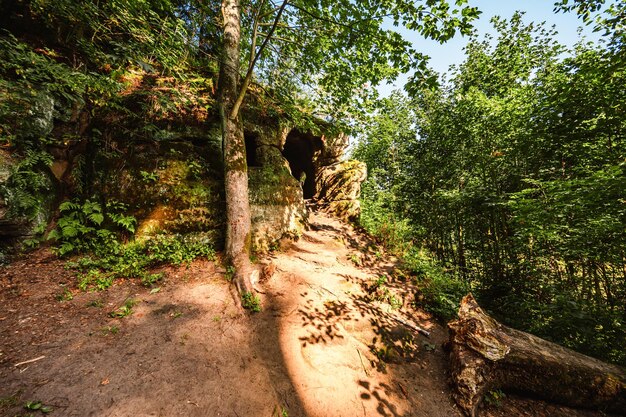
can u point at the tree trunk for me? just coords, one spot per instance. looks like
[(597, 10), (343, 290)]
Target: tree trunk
[(486, 355), (238, 240)]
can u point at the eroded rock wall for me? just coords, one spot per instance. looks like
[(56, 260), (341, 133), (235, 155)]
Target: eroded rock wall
[(172, 182), (339, 188)]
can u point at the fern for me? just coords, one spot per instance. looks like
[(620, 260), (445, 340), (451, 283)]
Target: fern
[(28, 186), (85, 226)]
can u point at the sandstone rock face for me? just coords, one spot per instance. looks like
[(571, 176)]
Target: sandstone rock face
[(40, 117), (276, 202), (178, 188), (175, 188), (174, 183), (334, 149), (339, 188)]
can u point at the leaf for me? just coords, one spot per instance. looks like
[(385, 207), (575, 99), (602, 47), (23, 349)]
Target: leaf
[(429, 347), (68, 205), (33, 405), (65, 248), (97, 218), (54, 234), (69, 231), (155, 290)]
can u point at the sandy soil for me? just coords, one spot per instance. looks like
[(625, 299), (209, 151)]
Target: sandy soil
[(326, 344)]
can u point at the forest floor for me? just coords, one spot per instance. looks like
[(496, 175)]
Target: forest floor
[(327, 343)]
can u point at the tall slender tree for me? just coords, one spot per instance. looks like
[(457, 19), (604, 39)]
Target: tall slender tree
[(236, 171)]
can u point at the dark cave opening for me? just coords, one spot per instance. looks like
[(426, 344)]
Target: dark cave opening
[(299, 150), (251, 150)]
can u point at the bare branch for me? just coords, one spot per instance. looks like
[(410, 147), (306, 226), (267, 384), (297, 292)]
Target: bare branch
[(246, 81), (254, 33)]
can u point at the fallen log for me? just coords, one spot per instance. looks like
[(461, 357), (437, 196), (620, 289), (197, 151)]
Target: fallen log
[(486, 355)]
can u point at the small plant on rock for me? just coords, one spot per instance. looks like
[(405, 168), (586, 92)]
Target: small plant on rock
[(495, 397), (356, 259)]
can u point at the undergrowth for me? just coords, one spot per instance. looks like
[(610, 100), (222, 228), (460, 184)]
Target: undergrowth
[(380, 292), (440, 288), (97, 234), (134, 260)]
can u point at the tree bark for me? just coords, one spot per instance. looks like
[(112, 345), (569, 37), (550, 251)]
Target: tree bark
[(237, 249), (486, 355)]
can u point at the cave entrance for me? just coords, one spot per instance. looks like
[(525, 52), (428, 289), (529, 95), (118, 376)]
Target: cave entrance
[(251, 150), (299, 151)]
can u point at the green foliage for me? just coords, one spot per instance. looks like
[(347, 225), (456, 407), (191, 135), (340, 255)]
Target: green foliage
[(230, 273), (329, 55), (94, 279), (134, 259), (110, 330), (37, 406), (379, 291), (149, 177), (605, 16), (26, 191), (36, 89), (125, 310), (356, 259), (110, 43), (379, 282), (513, 181), (494, 397), (379, 147), (114, 33), (97, 303), (178, 249), (251, 302), (88, 226), (66, 295), (440, 289), (149, 280), (378, 215)]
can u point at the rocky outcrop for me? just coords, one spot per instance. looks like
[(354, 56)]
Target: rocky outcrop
[(334, 149), (172, 183), (276, 201), (339, 188), (176, 186)]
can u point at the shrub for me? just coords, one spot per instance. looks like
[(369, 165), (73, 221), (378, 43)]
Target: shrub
[(441, 290)]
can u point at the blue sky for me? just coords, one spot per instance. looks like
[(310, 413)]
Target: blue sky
[(442, 56)]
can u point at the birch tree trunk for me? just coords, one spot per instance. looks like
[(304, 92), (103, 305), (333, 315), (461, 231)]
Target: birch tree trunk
[(237, 249)]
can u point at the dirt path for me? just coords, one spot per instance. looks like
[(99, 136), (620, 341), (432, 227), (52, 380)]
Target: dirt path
[(327, 343), (343, 351)]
